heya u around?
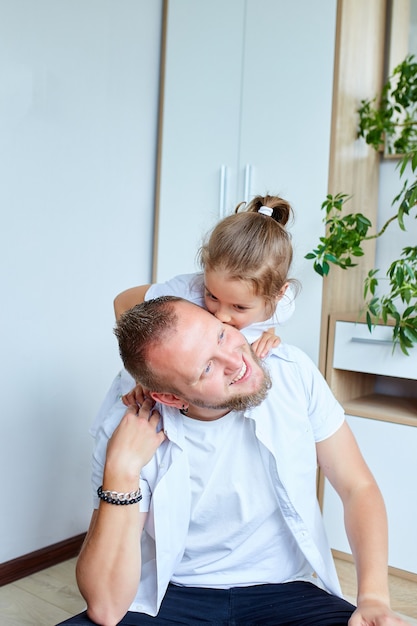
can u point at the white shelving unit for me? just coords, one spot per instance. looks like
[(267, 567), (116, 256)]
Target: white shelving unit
[(378, 389)]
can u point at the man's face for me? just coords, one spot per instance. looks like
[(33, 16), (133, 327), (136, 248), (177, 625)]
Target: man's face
[(210, 363)]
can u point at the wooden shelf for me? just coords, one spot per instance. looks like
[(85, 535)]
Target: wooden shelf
[(398, 410)]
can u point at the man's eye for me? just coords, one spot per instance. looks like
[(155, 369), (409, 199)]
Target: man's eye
[(208, 369), (221, 336)]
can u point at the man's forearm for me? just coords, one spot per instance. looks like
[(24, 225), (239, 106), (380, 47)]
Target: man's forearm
[(366, 527), (109, 565)]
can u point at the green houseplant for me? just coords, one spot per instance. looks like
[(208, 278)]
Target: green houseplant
[(389, 124)]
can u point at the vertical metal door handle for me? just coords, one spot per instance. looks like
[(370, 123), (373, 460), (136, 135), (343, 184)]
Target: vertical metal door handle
[(222, 191), (247, 183)]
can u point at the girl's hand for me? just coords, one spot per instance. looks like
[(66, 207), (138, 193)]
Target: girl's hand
[(136, 396), (266, 341)]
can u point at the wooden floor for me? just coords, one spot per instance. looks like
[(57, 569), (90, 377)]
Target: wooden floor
[(50, 596), (403, 592), (42, 599)]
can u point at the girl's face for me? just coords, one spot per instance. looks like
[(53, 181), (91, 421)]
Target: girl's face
[(233, 301)]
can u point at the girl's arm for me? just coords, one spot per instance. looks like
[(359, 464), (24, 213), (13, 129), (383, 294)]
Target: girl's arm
[(127, 299)]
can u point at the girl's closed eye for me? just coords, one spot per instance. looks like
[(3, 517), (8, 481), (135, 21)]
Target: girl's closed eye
[(210, 295)]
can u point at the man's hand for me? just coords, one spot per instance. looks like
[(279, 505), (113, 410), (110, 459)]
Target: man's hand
[(132, 445), (266, 341), (375, 613)]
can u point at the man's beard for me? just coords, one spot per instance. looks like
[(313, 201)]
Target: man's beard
[(241, 403)]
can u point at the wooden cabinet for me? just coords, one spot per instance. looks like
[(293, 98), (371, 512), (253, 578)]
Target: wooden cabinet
[(246, 110), (366, 375), (378, 389)]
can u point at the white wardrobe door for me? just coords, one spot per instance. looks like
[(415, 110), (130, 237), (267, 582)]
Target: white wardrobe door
[(286, 116), (200, 126)]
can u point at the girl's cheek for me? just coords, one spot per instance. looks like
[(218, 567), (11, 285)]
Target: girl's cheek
[(210, 306), (238, 324)]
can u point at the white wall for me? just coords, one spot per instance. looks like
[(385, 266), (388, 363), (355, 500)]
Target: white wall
[(78, 107)]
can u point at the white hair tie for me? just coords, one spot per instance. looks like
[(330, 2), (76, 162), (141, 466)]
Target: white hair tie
[(266, 210)]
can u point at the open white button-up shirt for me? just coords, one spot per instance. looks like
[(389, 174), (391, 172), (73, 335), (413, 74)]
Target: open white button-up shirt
[(299, 411)]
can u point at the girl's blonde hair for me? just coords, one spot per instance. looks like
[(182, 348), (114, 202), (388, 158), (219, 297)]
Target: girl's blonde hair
[(253, 246)]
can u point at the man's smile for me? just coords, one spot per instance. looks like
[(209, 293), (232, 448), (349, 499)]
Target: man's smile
[(241, 373)]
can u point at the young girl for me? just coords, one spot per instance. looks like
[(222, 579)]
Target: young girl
[(245, 263), (245, 283)]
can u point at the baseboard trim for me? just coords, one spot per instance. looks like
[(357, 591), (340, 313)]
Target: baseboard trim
[(393, 571), (40, 559)]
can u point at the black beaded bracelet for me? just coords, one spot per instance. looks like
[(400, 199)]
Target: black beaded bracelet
[(113, 497)]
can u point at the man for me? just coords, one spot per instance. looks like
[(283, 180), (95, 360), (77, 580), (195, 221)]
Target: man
[(227, 530)]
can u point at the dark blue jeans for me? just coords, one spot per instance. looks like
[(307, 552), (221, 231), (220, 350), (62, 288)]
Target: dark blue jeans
[(287, 604)]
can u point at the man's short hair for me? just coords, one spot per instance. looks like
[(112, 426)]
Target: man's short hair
[(144, 326)]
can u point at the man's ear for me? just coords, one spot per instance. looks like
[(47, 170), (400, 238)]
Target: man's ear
[(170, 399)]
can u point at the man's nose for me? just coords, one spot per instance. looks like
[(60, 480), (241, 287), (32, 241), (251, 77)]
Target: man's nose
[(232, 361)]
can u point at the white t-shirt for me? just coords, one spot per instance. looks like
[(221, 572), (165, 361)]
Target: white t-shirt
[(191, 287), (234, 512)]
